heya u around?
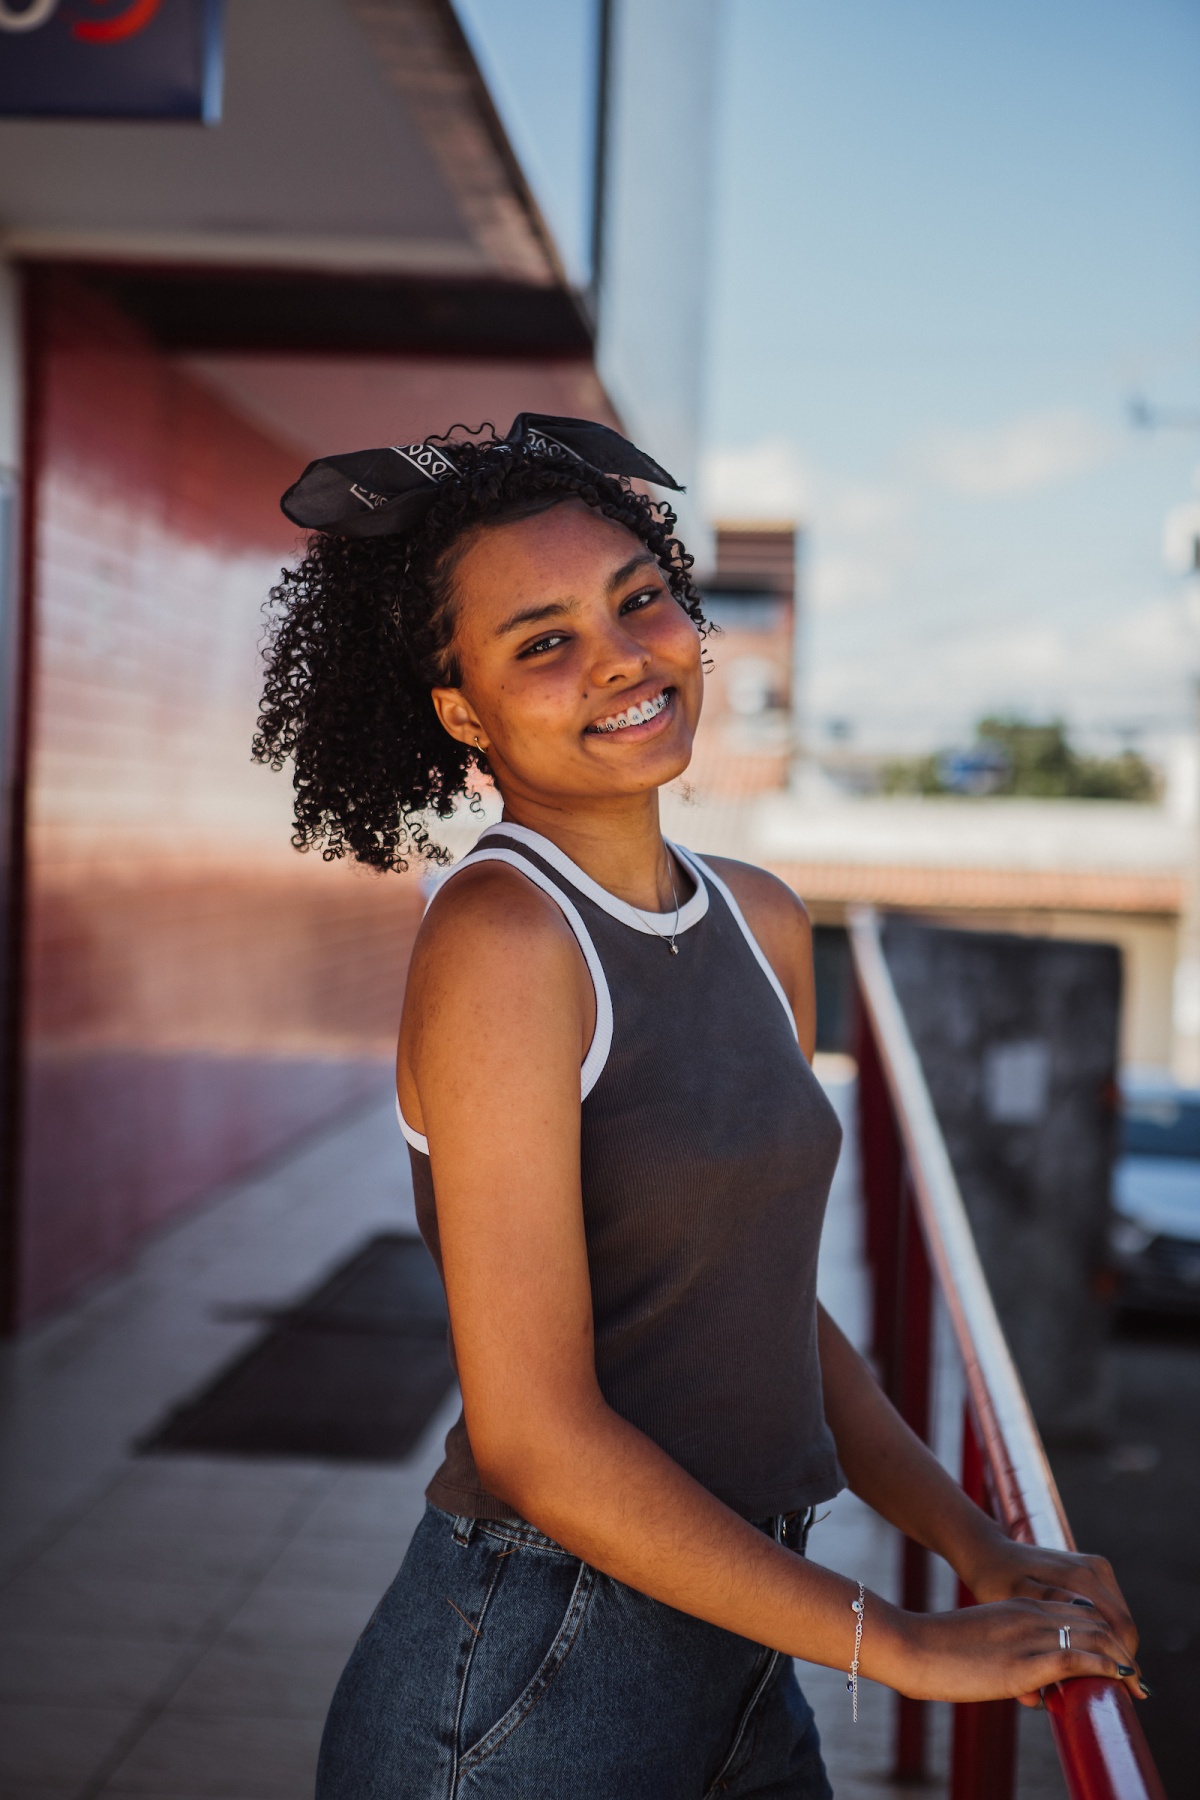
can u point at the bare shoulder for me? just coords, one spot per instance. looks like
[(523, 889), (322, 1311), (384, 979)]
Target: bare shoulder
[(765, 900), (490, 922), (779, 921)]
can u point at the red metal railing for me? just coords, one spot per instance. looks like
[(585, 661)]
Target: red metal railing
[(918, 1239)]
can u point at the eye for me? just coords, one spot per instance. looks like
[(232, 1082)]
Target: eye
[(636, 602), (541, 645)]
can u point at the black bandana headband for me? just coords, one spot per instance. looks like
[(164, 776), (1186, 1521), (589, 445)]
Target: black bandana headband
[(371, 493)]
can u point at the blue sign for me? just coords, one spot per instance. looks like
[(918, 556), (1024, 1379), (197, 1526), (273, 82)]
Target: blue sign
[(110, 59)]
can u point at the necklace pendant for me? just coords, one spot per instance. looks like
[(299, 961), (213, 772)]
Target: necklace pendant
[(673, 948)]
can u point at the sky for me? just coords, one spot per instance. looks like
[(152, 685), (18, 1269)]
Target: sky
[(950, 243)]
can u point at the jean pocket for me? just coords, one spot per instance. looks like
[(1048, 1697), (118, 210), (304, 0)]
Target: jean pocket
[(532, 1619)]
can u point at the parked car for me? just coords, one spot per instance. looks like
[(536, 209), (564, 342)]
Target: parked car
[(1155, 1230)]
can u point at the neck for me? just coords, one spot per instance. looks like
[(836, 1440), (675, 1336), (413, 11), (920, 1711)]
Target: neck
[(618, 842)]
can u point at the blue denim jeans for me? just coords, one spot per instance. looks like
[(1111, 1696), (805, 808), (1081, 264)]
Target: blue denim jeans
[(497, 1665)]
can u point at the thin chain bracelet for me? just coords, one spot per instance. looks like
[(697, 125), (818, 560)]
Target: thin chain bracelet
[(858, 1608)]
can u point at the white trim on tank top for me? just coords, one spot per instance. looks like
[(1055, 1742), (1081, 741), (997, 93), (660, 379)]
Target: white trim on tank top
[(697, 862), (601, 1043), (653, 924)]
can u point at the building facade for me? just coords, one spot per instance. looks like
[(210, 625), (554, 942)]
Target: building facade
[(188, 313)]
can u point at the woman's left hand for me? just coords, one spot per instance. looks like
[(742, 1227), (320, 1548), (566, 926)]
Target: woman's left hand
[(1012, 1571)]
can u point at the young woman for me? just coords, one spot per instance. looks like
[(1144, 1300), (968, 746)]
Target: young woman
[(621, 1160)]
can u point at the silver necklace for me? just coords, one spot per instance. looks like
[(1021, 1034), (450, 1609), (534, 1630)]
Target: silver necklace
[(672, 946)]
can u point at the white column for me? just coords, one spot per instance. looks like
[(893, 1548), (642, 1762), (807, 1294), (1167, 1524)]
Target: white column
[(656, 266), (10, 370)]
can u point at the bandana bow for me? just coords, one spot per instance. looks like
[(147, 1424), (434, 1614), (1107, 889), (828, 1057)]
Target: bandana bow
[(371, 493)]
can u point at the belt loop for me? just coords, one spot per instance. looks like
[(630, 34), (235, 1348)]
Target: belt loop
[(464, 1529)]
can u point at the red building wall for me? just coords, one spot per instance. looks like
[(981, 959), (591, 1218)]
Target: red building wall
[(193, 993)]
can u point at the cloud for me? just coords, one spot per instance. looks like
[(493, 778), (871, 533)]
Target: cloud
[(839, 578), (928, 691), (767, 480), (857, 530), (1036, 450)]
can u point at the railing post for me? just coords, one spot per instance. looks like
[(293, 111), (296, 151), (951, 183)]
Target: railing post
[(909, 1388), (983, 1756), (880, 1169)]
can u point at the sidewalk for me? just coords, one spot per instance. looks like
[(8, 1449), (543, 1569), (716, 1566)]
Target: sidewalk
[(172, 1627)]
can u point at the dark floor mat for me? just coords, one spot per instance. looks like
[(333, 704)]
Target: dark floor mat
[(354, 1372)]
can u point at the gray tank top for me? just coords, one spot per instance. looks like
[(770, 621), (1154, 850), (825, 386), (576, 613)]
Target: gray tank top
[(707, 1151)]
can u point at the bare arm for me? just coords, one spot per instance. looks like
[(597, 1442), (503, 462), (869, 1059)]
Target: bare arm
[(496, 1018)]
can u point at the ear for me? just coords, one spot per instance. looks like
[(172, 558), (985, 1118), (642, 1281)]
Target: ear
[(457, 716)]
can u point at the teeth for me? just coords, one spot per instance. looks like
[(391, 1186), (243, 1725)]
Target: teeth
[(633, 715)]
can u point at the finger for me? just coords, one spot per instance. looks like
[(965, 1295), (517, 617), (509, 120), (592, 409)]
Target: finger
[(1096, 1582), (1070, 1665), (1115, 1667), (1099, 1602), (1089, 1635)]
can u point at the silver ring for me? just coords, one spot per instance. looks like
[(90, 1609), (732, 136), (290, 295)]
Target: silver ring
[(1064, 1637)]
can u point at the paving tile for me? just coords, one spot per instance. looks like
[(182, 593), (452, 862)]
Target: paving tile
[(221, 1758), (47, 1604), (363, 1566), (286, 1681), (56, 1744), (207, 1559), (170, 1498), (364, 1517), (309, 1618), (117, 1672), (31, 1788)]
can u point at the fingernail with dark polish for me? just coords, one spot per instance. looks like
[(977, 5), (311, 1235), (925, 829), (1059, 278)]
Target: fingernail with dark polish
[(1126, 1669), (1076, 1601), (1146, 1692)]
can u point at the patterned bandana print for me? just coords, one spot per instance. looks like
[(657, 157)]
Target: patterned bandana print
[(432, 463)]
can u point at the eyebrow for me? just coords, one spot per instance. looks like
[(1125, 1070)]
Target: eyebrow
[(555, 609), (534, 615), (642, 560)]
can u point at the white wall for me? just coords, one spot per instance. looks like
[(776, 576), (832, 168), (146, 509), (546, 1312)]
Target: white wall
[(10, 370), (655, 275)]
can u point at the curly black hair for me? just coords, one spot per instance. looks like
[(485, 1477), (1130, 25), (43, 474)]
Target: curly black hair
[(361, 631)]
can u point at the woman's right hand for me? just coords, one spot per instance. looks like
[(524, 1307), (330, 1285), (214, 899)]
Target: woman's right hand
[(1009, 1649)]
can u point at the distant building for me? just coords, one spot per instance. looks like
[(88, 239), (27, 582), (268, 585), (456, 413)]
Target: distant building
[(748, 731)]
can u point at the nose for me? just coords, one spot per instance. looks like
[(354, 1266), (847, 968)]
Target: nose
[(617, 656)]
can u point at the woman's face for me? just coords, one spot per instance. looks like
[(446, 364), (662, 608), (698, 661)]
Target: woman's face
[(581, 673)]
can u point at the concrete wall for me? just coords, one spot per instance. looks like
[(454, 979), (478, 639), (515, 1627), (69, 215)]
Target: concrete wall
[(1018, 1041), (1147, 947)]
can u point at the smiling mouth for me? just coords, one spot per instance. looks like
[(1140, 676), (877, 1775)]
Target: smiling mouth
[(633, 715)]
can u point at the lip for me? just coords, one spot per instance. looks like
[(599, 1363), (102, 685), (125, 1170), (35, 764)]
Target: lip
[(648, 727)]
